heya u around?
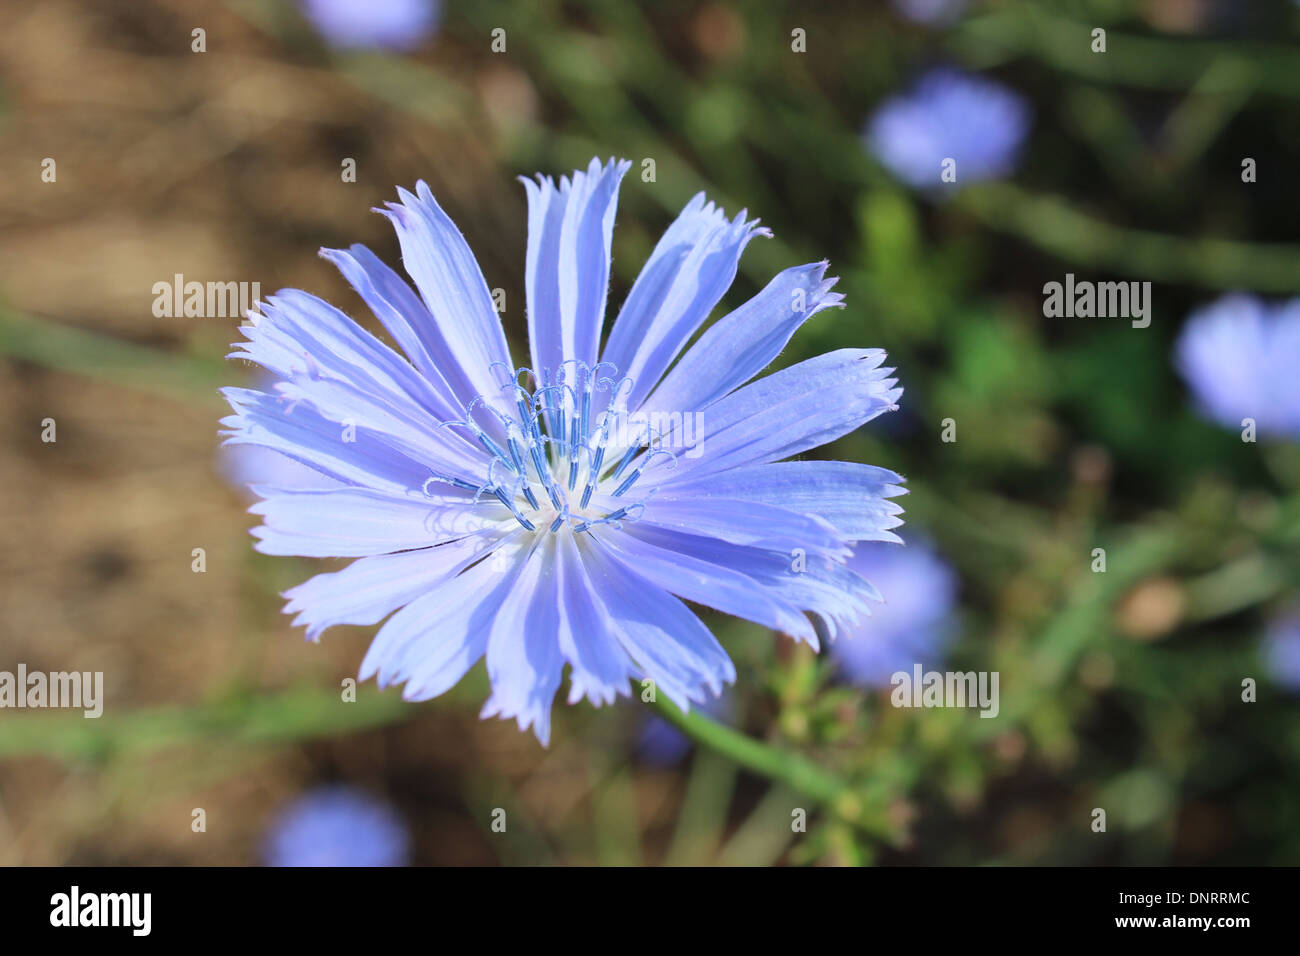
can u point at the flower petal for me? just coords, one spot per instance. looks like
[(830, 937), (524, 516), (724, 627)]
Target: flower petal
[(359, 409), (432, 642), (601, 671), (245, 465), (786, 413), (409, 322), (851, 496), (307, 437), (689, 271), (369, 589), (454, 290), (297, 333), (744, 342), (669, 643), (743, 522), (355, 522), (352, 377), (806, 581), (570, 228), (712, 585), (524, 661)]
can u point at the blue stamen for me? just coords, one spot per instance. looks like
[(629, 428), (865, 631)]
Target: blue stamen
[(574, 442), (558, 413), (628, 482), (454, 482), (627, 460), (531, 498), (506, 500)]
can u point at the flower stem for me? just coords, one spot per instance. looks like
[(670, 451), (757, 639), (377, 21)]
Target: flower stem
[(823, 786), (1060, 229)]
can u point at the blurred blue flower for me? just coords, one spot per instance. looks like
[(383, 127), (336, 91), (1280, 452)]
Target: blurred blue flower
[(661, 744), (1238, 356), (914, 623), (337, 826), (949, 115), (247, 466), (381, 24), (565, 523), (932, 12), (1282, 649)]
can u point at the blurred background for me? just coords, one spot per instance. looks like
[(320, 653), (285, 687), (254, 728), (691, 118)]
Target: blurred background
[(1120, 689)]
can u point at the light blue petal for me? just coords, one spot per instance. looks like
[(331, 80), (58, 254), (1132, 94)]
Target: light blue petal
[(524, 661), (570, 228), (297, 333), (409, 431), (669, 643), (355, 522), (714, 586), (245, 465), (432, 642), (786, 413), (369, 589), (410, 324), (453, 288), (349, 376), (808, 582), (851, 496), (601, 671), (317, 442), (744, 342), (689, 271), (738, 521)]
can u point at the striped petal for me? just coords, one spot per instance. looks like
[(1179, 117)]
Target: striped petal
[(685, 277), (570, 228)]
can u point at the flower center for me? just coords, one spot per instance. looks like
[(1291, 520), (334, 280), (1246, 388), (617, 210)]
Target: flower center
[(571, 452)]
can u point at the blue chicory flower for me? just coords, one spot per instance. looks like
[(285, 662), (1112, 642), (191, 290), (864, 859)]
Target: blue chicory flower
[(931, 12), (377, 24), (337, 826), (560, 514), (1238, 356), (914, 624), (949, 115), (660, 744), (1282, 649)]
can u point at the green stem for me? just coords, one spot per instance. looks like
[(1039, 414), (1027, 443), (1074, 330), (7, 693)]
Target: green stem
[(101, 357), (1156, 63), (823, 786), (1232, 587), (266, 719), (1056, 227)]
